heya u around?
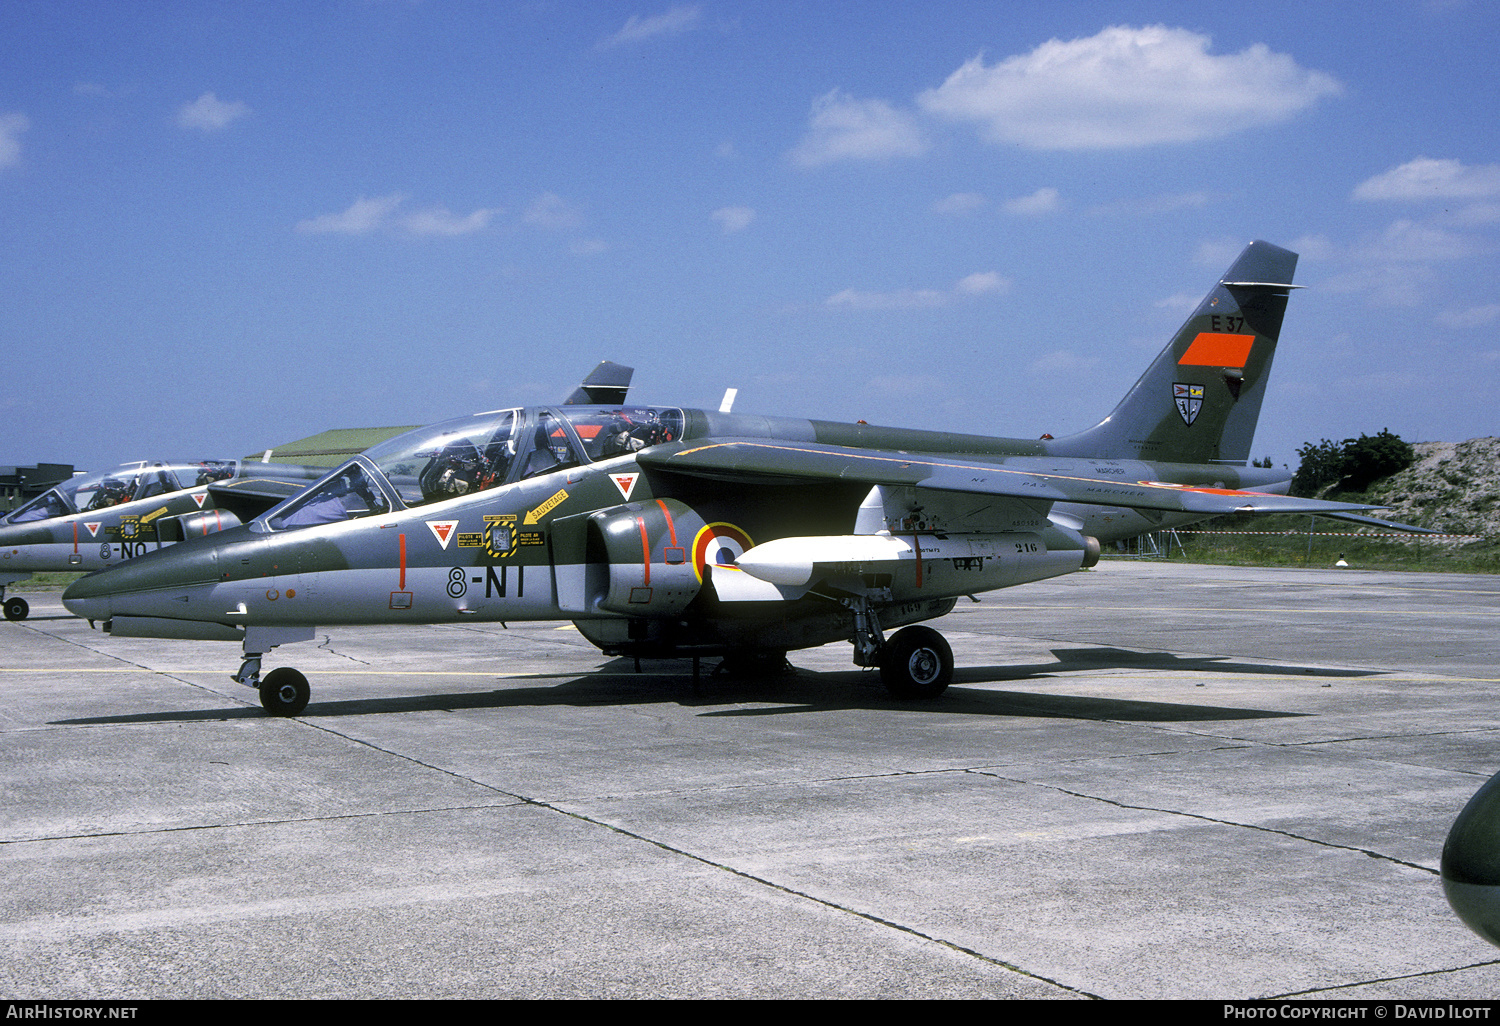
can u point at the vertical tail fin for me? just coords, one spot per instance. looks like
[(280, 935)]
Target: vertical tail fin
[(1199, 401), (605, 386)]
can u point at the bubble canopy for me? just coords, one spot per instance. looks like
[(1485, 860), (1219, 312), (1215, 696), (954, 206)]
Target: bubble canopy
[(127, 483), (472, 454)]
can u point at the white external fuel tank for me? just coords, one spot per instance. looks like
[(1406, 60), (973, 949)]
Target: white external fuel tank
[(913, 565)]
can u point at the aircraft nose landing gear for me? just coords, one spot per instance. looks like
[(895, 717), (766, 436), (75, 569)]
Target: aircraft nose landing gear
[(284, 692), (15, 606)]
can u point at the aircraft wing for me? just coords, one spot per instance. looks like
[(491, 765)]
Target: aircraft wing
[(786, 461)]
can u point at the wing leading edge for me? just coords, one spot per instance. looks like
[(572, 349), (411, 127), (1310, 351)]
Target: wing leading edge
[(1037, 480)]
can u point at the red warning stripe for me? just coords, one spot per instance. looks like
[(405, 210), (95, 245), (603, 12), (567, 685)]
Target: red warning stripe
[(1216, 350), (670, 525), (645, 548)]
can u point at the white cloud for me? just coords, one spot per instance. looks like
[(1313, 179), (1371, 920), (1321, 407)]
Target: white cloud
[(549, 210), (1406, 241), (1126, 87), (366, 215), (901, 299), (844, 128), (362, 217), (1426, 179), (1313, 247), (11, 127), (1043, 201), (981, 283), (733, 219), (1473, 317), (208, 113), (1475, 214), (1383, 284), (438, 221), (672, 23), (960, 203)]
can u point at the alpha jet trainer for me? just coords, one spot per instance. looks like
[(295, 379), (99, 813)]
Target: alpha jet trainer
[(662, 531), (93, 521)]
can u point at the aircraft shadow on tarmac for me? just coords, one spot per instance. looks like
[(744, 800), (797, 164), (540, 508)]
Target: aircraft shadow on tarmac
[(800, 691), (1105, 658)]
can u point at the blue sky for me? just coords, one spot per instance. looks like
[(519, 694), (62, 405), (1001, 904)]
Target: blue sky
[(226, 226)]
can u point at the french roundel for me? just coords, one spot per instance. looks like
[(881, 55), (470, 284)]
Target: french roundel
[(719, 544)]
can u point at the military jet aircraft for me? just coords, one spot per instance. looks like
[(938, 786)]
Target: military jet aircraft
[(662, 531), (93, 521), (1471, 862)]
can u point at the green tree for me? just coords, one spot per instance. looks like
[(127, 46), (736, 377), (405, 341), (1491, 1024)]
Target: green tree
[(1321, 465), (1353, 464), (1371, 458)]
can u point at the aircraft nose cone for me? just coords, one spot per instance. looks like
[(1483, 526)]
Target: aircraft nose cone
[(1471, 862), (139, 587)]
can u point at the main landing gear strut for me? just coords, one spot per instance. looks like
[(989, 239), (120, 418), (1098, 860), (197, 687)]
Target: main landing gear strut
[(916, 662), (284, 691)]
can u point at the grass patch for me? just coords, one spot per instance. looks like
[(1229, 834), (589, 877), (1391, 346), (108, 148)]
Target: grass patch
[(45, 582), (1283, 541)]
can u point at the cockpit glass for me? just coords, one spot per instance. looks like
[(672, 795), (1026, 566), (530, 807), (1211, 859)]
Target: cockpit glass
[(453, 458), (89, 493), (44, 507), (552, 448), (619, 431), (472, 454), (347, 494)]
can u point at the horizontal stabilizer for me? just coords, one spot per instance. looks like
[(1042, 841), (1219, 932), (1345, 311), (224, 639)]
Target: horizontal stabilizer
[(1385, 525)]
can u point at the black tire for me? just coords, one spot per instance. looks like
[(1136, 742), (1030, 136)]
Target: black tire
[(284, 692), (916, 663), (16, 608)]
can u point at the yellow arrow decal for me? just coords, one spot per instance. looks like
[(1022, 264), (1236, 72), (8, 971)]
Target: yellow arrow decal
[(557, 500)]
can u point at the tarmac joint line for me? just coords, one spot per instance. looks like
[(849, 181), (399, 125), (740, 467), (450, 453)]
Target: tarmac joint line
[(1315, 991), (1209, 819), (868, 917)]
